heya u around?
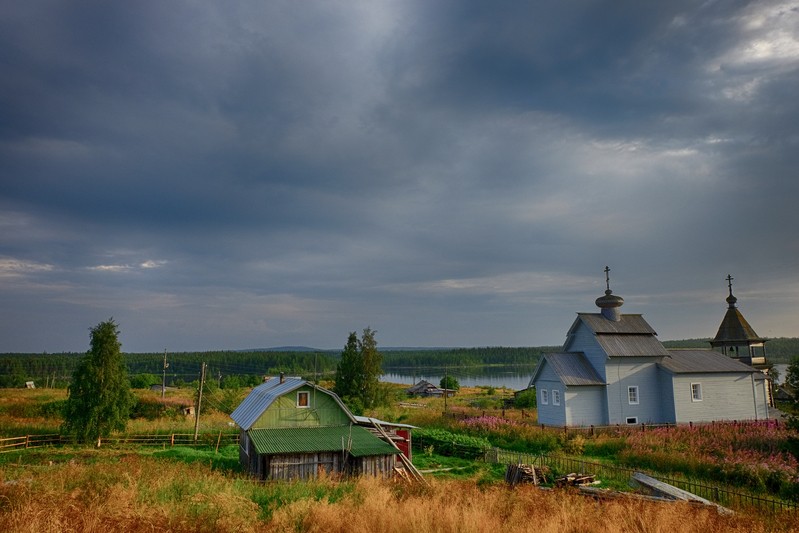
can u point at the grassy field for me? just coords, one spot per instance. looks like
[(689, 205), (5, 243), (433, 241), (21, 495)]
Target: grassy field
[(91, 490), (200, 489)]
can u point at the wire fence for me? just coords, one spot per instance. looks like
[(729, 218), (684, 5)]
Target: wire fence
[(221, 438), (721, 495)]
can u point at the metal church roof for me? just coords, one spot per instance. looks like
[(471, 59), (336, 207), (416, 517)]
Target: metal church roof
[(703, 361), (631, 345), (262, 396), (627, 324), (735, 329), (320, 439), (573, 369)]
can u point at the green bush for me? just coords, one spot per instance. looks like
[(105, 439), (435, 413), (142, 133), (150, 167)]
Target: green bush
[(147, 408), (144, 381), (449, 382), (526, 399), (450, 444)]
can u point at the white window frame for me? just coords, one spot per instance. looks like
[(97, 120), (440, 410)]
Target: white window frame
[(631, 420), (555, 397), (694, 388), (307, 399), (632, 390), (544, 397)]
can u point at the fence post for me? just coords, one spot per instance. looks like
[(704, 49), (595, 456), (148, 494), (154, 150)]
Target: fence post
[(27, 440)]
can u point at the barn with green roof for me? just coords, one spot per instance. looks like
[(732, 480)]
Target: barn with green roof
[(294, 429)]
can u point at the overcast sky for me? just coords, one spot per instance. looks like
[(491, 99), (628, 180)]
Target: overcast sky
[(231, 175)]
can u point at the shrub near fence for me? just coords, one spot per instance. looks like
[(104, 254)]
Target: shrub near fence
[(718, 494), (166, 439)]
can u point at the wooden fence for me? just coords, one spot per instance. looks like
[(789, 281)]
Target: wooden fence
[(718, 494), (220, 438)]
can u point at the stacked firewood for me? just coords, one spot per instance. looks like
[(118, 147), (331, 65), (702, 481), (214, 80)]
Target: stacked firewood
[(520, 473)]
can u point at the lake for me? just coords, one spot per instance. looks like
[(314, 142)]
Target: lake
[(512, 377)]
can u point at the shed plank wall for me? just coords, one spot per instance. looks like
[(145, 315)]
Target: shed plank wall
[(312, 465)]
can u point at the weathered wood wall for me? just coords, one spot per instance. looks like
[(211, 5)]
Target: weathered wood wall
[(311, 465)]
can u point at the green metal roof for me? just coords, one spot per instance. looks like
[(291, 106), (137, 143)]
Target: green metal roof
[(319, 439)]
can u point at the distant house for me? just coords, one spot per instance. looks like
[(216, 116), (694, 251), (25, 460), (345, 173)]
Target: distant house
[(425, 388), (613, 370), (294, 429)]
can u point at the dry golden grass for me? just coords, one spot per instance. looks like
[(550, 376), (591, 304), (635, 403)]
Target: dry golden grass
[(463, 507), (97, 491)]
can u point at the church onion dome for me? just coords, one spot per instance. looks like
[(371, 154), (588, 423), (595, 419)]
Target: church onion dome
[(609, 300), (609, 303), (731, 300)]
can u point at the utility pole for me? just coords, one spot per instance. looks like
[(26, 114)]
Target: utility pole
[(199, 402), (163, 382)]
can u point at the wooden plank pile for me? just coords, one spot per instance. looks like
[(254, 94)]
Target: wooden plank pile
[(521, 473), (575, 480)]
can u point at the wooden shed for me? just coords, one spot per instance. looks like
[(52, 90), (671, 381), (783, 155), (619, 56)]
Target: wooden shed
[(294, 429)]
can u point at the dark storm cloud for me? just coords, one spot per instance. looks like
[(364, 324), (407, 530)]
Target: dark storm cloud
[(253, 173)]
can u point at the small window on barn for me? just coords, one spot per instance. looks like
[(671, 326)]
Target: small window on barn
[(696, 392), (632, 395), (632, 419), (555, 397), (544, 397), (302, 399)]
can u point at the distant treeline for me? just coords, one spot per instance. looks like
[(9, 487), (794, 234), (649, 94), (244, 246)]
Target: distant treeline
[(248, 367), (455, 357), (183, 367), (778, 350)]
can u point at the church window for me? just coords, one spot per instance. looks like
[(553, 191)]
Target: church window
[(632, 394)]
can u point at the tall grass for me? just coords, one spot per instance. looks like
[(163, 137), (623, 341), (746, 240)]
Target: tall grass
[(98, 492)]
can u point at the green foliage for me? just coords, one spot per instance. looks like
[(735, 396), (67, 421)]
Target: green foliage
[(227, 458), (272, 496), (13, 375), (354, 404), (148, 408), (99, 399), (461, 357), (449, 382), (250, 367), (526, 399), (144, 381), (358, 372), (792, 375), (450, 444), (447, 467), (348, 372)]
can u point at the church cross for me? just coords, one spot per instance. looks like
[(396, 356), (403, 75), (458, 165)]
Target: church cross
[(729, 279), (607, 277)]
